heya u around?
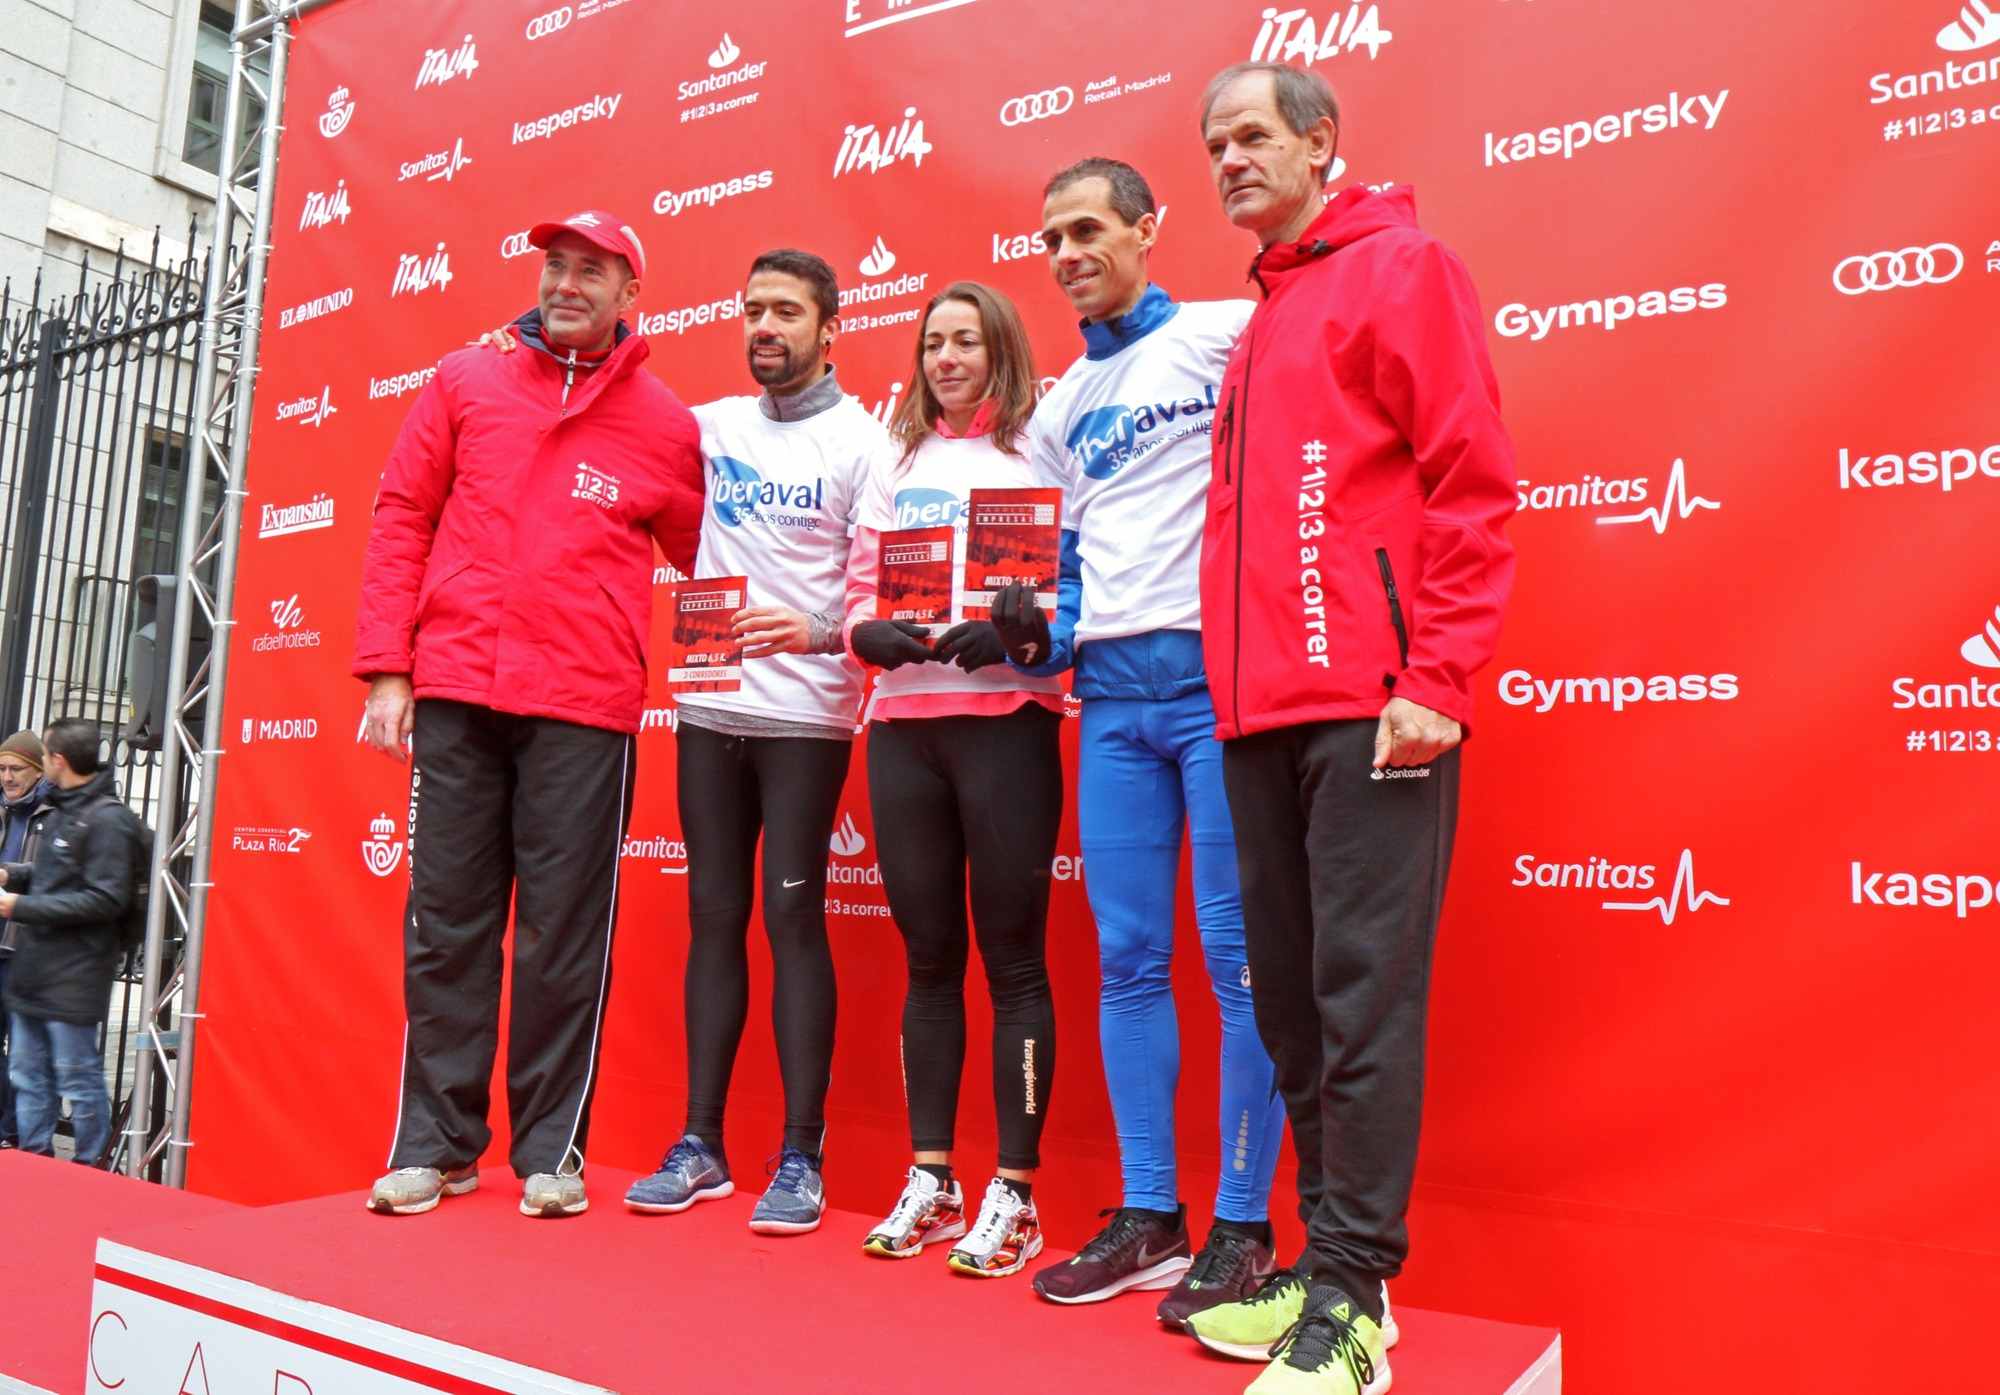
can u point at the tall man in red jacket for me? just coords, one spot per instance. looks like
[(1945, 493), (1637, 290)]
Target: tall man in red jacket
[(1353, 575), (505, 605)]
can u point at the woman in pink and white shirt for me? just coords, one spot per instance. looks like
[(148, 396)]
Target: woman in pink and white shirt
[(965, 781)]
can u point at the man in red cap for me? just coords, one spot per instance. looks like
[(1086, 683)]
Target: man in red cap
[(506, 601)]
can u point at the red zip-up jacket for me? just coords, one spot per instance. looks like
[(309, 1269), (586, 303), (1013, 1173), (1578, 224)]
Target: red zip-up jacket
[(1353, 547), (511, 559)]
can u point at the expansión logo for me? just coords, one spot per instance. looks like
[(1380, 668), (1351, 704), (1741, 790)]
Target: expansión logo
[(282, 520), (1290, 35)]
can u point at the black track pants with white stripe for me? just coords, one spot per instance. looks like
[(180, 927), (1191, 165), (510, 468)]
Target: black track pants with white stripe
[(503, 809)]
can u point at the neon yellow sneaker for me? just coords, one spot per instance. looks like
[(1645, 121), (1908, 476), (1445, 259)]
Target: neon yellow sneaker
[(1333, 1349), (1249, 1328)]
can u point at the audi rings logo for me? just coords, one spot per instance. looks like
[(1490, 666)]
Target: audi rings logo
[(554, 22), (515, 245), (1019, 111), (1888, 271)]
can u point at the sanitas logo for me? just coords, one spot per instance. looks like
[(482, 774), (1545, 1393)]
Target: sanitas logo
[(1573, 137), (1289, 35), (1676, 500), (739, 493), (400, 384), (1520, 688), (324, 210), (600, 108), (438, 165), (670, 852), (280, 521), (316, 307), (1981, 650), (308, 411), (1946, 468), (1961, 892), (339, 111), (708, 195), (870, 151), (928, 508), (417, 273), (1516, 319), (1105, 440), (1602, 874), (441, 65)]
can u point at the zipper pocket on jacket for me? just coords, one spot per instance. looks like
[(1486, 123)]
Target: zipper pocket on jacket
[(1228, 435), (1395, 606)]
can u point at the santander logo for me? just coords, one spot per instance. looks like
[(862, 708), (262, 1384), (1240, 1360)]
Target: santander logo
[(724, 53), (847, 840), (1977, 26), (880, 261), (1983, 649)]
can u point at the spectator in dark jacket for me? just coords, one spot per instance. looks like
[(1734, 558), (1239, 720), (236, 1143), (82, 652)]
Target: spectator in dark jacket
[(66, 908), (24, 808)]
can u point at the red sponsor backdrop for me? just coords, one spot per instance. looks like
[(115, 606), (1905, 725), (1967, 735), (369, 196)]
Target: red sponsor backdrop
[(1713, 1041)]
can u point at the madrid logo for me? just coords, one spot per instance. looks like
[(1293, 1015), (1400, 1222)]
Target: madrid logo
[(382, 850), (1104, 440), (339, 111)]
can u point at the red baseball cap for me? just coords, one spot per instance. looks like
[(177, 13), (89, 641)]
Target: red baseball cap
[(607, 230)]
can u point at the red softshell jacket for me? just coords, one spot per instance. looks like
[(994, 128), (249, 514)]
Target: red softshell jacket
[(1353, 549), (511, 559)]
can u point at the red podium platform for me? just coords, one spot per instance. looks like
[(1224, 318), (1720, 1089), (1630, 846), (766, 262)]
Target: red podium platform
[(318, 1297)]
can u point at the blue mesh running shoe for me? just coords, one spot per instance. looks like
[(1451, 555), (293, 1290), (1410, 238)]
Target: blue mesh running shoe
[(791, 1205), (689, 1173)]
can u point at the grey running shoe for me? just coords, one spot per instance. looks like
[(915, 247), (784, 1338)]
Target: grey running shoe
[(410, 1191), (689, 1173), (791, 1205), (553, 1194)]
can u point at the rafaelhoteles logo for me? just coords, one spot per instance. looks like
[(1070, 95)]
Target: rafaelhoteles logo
[(871, 150), (1520, 688), (441, 65), (417, 273), (382, 850), (1602, 874), (1976, 26), (324, 210), (1037, 106), (1288, 35), (880, 261), (1516, 319), (1104, 440), (554, 22), (1961, 892), (283, 520), (309, 411), (724, 53), (1982, 650), (339, 111), (1899, 270), (847, 840), (287, 630)]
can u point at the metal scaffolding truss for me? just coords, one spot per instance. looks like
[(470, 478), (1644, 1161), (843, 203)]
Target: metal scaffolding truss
[(156, 1142)]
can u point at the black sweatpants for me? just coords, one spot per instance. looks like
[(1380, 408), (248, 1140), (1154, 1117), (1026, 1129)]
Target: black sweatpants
[(734, 789), (1343, 874), (531, 811), (985, 794)]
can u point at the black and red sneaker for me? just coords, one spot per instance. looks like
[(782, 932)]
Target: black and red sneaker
[(1229, 1268), (1138, 1249)]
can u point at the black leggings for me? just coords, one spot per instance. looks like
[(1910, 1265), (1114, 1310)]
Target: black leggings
[(986, 793), (732, 788)]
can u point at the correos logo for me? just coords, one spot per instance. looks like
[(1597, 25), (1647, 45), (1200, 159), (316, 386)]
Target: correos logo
[(1103, 441), (928, 508)]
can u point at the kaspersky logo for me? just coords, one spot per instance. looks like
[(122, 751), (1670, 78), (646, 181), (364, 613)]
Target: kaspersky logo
[(1977, 26), (739, 493)]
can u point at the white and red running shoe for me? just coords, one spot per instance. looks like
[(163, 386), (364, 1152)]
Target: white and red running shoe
[(926, 1212)]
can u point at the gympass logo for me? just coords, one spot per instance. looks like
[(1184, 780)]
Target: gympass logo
[(339, 111), (287, 628), (1037, 106), (417, 273), (870, 150), (324, 210), (1290, 35), (441, 65), (382, 850), (1934, 265), (1977, 26), (1602, 874)]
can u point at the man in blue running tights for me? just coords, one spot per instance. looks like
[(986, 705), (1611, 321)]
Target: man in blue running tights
[(1125, 433)]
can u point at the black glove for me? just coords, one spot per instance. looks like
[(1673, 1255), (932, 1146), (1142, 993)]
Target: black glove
[(1020, 624), (889, 644), (974, 644)]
